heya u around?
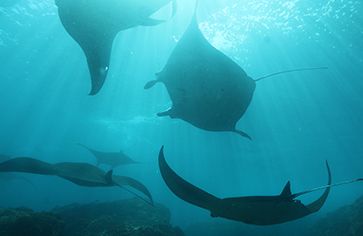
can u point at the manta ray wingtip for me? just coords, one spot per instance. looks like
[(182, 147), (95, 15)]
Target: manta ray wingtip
[(243, 134), (150, 84), (161, 153), (94, 91)]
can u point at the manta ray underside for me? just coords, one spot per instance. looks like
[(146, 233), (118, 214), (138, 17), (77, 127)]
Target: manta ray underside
[(207, 88)]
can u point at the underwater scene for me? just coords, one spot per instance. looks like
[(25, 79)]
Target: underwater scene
[(181, 117)]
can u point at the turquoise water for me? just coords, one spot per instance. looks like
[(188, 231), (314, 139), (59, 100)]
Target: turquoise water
[(297, 121)]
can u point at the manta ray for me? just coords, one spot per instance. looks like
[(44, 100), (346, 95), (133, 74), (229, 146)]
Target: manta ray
[(113, 159), (256, 210), (82, 174), (94, 24), (207, 88)]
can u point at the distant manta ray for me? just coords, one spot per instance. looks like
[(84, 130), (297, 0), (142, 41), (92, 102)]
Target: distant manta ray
[(207, 88), (82, 174), (257, 210), (112, 159), (94, 24)]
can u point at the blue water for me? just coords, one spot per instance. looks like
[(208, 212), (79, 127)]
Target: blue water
[(297, 121)]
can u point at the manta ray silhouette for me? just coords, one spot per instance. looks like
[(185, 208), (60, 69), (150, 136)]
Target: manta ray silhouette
[(113, 159), (82, 174), (257, 210), (94, 24), (207, 88)]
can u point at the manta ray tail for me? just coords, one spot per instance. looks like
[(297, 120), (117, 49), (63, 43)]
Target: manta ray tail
[(290, 71), (328, 186), (184, 189), (241, 133)]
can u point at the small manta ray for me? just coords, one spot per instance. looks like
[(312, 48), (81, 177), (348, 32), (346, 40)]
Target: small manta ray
[(94, 24), (207, 88), (113, 159), (257, 210), (82, 174)]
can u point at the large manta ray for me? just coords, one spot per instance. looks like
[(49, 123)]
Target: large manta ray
[(257, 210), (112, 159), (94, 24), (207, 88), (82, 174)]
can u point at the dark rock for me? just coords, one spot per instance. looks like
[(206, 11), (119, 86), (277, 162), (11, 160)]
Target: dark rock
[(21, 222), (346, 221), (121, 218)]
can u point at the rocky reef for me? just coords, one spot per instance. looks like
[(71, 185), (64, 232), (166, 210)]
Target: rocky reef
[(121, 218), (21, 222), (346, 221), (136, 218)]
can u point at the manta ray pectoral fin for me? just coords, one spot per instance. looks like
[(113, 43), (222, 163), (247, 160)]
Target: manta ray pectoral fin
[(241, 133), (151, 22), (151, 84), (123, 180), (108, 177), (98, 77), (290, 71), (28, 165), (169, 112), (286, 192), (316, 205), (183, 189)]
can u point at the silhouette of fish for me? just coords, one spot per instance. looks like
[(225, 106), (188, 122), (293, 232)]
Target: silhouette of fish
[(257, 210), (82, 174), (113, 159), (207, 88), (94, 24)]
